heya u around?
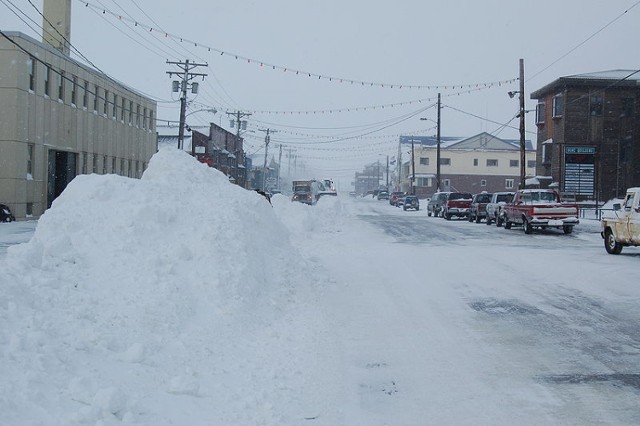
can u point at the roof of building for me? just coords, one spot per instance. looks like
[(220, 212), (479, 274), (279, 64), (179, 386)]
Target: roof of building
[(624, 78), (482, 140)]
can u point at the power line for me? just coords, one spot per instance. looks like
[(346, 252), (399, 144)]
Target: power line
[(294, 71), (584, 41)]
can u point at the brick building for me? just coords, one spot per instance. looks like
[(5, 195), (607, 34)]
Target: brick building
[(589, 133)]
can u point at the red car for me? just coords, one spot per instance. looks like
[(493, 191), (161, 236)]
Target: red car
[(393, 198)]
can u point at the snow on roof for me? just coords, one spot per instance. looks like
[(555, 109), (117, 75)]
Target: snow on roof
[(608, 75)]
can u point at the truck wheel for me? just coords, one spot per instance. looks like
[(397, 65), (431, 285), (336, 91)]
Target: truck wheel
[(499, 221), (507, 224), (478, 218), (428, 212), (447, 216), (610, 243), (567, 229), (528, 229), (488, 220), (470, 218)]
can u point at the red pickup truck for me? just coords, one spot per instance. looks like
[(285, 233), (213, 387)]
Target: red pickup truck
[(540, 208), (457, 204)]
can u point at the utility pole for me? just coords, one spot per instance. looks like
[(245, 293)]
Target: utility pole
[(238, 124), (522, 112), (267, 139), (279, 167), (182, 86), (413, 170), (438, 147), (387, 173), (237, 121)]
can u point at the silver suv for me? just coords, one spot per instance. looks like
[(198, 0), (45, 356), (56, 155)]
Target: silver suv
[(434, 207)]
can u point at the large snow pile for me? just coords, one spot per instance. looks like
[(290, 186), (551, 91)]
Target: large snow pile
[(167, 300)]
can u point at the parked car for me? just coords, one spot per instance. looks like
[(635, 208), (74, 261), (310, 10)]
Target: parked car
[(383, 195), (394, 196), (494, 208), (5, 214), (478, 208), (434, 206), (457, 204), (410, 202)]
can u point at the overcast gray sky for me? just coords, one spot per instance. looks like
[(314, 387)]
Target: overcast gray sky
[(460, 46)]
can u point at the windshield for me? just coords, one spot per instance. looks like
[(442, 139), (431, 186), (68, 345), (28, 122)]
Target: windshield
[(504, 197), (539, 196), (460, 196)]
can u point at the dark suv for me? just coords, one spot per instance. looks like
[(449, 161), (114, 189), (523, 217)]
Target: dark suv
[(411, 202), (434, 206), (457, 204), (478, 208)]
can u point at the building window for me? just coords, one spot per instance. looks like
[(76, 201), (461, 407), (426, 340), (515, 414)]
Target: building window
[(540, 112), (95, 97), (130, 113), (105, 106), (508, 183), (30, 151), (558, 105), (32, 74), (29, 211), (514, 163), (595, 105), (151, 120), (47, 81), (138, 115), (113, 164), (628, 107), (123, 108), (95, 164), (85, 95), (483, 182), (531, 164), (144, 119), (122, 169), (546, 153), (492, 163), (104, 164), (84, 163), (445, 161), (129, 169), (475, 161), (446, 183), (423, 181), (74, 90), (61, 87), (114, 113), (424, 161)]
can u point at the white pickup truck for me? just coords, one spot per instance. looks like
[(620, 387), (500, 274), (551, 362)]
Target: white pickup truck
[(623, 228)]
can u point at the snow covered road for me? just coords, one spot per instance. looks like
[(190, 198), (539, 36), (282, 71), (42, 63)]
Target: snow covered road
[(456, 323)]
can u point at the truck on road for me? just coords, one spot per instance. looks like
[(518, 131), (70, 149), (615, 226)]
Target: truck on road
[(494, 207), (623, 228), (539, 208)]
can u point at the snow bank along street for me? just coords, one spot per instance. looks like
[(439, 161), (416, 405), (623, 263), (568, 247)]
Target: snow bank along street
[(182, 299)]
